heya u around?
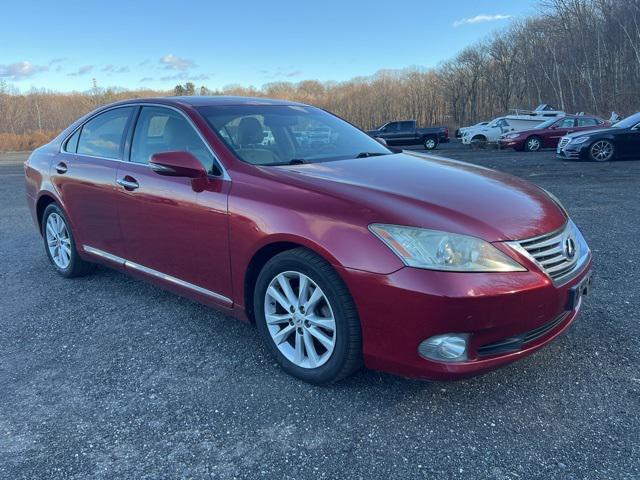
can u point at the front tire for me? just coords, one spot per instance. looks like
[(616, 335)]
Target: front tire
[(430, 143), (533, 144), (601, 151), (60, 244), (307, 318)]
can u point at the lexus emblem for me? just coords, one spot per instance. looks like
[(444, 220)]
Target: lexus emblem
[(569, 248)]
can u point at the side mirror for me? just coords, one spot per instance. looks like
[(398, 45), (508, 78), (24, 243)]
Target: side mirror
[(381, 141), (553, 127), (177, 164)]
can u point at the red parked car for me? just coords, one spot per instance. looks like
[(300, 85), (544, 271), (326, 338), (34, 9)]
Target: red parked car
[(549, 133), (340, 251)]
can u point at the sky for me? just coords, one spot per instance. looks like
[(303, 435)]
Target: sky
[(133, 44)]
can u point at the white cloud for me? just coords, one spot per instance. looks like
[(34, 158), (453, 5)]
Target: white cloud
[(81, 71), (480, 19), (20, 70), (171, 62)]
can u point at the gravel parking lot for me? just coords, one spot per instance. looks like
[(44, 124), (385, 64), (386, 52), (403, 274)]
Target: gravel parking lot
[(109, 377)]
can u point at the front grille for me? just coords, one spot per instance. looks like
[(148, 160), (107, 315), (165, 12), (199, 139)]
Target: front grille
[(557, 253), (564, 141), (513, 344)]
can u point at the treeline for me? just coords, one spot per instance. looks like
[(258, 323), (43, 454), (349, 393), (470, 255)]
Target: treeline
[(578, 55)]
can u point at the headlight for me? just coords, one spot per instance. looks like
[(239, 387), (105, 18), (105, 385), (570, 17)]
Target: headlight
[(579, 140), (512, 135), (434, 250)]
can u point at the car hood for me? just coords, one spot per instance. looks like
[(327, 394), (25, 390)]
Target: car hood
[(593, 132), (433, 192)]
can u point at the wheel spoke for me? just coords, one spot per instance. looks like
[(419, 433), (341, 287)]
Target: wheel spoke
[(50, 229), (283, 334), (277, 296), (286, 288), (275, 319), (302, 290), (316, 296), (312, 355), (326, 323), (321, 337), (299, 351)]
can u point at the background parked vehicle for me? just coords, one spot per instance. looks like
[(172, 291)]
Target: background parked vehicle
[(460, 131), (406, 133), (549, 133), (621, 141), (516, 121)]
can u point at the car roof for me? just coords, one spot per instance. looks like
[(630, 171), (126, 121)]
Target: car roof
[(203, 101)]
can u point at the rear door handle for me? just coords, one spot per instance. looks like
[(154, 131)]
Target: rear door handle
[(61, 168), (128, 183)]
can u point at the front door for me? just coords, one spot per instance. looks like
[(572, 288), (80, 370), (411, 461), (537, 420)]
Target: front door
[(628, 143), (171, 231)]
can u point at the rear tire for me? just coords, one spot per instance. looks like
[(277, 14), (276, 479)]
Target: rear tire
[(430, 142), (320, 342), (601, 151), (60, 244), (532, 144)]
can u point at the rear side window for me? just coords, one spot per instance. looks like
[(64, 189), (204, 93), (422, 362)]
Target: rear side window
[(164, 130), (72, 143), (406, 126), (103, 136)]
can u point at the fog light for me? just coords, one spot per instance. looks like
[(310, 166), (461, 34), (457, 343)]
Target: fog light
[(451, 347)]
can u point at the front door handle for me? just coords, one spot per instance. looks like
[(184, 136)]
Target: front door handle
[(129, 183), (61, 168)]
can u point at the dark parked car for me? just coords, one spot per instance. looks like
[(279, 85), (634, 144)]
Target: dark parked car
[(621, 141), (340, 251), (406, 133), (549, 133)]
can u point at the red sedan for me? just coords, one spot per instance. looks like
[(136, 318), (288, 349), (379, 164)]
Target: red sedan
[(341, 251), (549, 133)]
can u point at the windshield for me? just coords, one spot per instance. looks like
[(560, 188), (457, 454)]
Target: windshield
[(547, 124), (629, 121), (288, 134)]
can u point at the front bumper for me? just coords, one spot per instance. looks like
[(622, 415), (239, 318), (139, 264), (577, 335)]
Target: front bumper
[(517, 144), (400, 310), (579, 151)]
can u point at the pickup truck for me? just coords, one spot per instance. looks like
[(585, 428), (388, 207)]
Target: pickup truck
[(406, 133)]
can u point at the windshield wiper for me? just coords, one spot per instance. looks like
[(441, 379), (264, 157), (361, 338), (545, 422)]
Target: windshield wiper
[(296, 161), (370, 154)]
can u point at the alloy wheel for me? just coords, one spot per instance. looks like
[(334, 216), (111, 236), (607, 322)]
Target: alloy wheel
[(58, 241), (533, 144), (430, 144), (300, 319), (602, 151)]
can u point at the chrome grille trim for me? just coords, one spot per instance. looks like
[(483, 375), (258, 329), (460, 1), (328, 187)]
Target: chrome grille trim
[(549, 253), (564, 141)]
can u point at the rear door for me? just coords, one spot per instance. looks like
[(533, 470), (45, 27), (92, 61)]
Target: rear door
[(84, 175), (406, 133), (171, 231)]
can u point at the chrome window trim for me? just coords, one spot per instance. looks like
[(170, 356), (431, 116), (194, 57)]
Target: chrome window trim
[(224, 175), (155, 273)]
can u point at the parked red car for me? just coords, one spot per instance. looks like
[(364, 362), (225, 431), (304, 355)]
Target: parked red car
[(340, 251), (549, 133)]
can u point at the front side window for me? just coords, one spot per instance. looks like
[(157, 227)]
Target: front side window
[(283, 134), (391, 127), (566, 123), (103, 135), (164, 130)]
